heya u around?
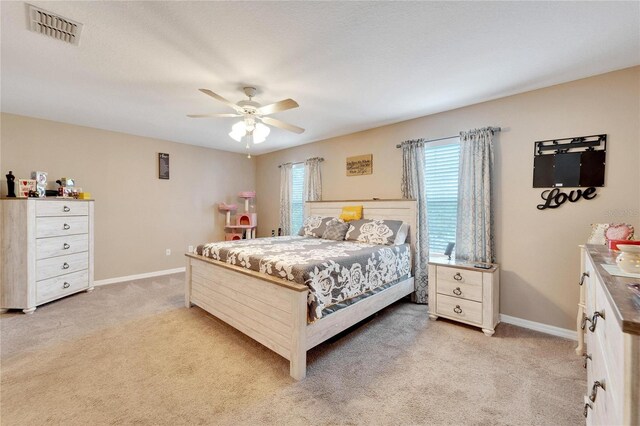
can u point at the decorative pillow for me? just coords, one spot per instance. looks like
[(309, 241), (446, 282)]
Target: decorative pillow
[(335, 231), (350, 213), (314, 226), (601, 233), (597, 233), (619, 231), (373, 231)]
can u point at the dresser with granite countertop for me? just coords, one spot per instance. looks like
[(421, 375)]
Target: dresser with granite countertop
[(610, 321)]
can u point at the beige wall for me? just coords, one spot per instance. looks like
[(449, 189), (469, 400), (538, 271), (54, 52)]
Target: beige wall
[(537, 249), (137, 215)]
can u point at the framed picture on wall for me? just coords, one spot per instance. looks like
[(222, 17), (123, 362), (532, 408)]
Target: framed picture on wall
[(360, 165), (163, 165)]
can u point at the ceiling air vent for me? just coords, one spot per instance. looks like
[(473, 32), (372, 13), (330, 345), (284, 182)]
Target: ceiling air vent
[(52, 25)]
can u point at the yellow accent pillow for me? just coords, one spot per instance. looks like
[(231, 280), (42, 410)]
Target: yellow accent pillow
[(350, 213)]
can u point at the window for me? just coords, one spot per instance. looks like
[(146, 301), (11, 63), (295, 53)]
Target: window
[(297, 197), (441, 182)]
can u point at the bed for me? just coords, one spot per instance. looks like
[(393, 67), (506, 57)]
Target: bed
[(286, 316)]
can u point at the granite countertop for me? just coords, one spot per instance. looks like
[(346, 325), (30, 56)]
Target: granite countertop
[(626, 311)]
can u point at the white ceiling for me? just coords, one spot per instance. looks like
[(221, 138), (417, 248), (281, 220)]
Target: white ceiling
[(350, 65)]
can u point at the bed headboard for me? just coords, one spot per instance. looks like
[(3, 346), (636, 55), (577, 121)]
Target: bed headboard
[(404, 210)]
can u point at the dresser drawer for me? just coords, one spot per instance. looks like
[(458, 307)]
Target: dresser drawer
[(56, 287), (605, 408), (610, 341), (461, 309), (62, 208), (60, 246), (460, 290), (61, 265), (59, 226)]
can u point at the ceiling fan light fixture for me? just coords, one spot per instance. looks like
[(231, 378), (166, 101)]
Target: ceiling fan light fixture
[(260, 133), (238, 131)]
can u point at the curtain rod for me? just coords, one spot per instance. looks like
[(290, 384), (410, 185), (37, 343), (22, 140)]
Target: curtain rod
[(302, 162), (495, 130)]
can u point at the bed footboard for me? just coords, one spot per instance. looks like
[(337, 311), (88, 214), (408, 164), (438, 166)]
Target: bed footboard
[(273, 315)]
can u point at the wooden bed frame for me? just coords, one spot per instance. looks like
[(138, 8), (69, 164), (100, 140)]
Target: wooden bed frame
[(273, 311)]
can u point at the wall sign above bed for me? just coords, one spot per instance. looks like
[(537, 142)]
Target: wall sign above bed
[(577, 162), (360, 165)]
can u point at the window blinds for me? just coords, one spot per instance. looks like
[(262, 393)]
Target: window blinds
[(441, 182), (297, 197)]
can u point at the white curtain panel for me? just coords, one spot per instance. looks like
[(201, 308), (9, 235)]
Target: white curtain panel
[(474, 233), (312, 180), (285, 198), (413, 187)]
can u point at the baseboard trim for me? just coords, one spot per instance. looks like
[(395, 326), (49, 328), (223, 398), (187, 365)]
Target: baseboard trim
[(138, 276), (538, 326)]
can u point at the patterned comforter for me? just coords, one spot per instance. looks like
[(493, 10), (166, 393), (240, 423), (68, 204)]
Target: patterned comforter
[(334, 271)]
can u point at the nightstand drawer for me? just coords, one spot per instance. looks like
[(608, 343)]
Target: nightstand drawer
[(59, 226), (460, 290), (464, 310), (62, 208), (459, 276)]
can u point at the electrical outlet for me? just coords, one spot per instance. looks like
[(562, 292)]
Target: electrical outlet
[(190, 249), (168, 252)]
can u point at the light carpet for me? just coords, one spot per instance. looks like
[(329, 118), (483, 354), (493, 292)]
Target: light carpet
[(131, 353)]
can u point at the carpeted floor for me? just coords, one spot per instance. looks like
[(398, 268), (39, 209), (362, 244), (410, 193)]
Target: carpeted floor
[(131, 353)]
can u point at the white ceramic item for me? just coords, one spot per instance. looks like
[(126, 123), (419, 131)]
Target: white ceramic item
[(629, 258)]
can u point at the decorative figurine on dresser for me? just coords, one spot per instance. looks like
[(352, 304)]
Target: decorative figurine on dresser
[(47, 250), (465, 292), (11, 185)]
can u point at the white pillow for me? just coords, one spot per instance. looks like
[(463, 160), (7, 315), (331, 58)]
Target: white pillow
[(401, 236)]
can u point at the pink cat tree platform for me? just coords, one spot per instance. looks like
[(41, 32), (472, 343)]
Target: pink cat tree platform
[(245, 223)]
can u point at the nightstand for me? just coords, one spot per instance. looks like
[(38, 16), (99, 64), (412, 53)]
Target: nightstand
[(461, 292)]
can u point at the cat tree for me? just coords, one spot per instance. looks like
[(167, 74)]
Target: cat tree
[(245, 223)]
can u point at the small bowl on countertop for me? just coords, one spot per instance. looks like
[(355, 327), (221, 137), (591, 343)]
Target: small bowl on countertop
[(629, 258)]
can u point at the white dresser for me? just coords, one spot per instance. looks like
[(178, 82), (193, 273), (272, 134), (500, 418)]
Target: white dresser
[(612, 337), (47, 250), (461, 292)]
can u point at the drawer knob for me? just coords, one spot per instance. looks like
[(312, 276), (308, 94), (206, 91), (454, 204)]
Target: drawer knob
[(587, 357), (594, 390), (65, 246), (584, 275), (66, 285), (457, 291), (587, 407), (457, 276), (65, 265), (66, 209), (66, 226), (594, 320), (457, 309)]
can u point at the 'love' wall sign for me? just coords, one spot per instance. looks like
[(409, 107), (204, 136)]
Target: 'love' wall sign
[(554, 198)]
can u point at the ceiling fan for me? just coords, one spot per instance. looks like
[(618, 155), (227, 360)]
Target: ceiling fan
[(253, 116)]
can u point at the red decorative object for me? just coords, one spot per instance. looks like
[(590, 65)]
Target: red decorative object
[(613, 244)]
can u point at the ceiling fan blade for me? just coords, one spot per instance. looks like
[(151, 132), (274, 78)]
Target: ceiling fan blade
[(212, 115), (277, 107), (221, 99), (282, 125)]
